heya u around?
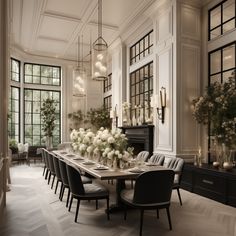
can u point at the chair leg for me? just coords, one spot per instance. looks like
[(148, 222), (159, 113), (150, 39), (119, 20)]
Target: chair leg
[(96, 204), (71, 200), (56, 187), (125, 212), (49, 177), (77, 210), (180, 200), (157, 213), (53, 181), (44, 170), (108, 214), (46, 174), (60, 194), (169, 219), (141, 222), (68, 197)]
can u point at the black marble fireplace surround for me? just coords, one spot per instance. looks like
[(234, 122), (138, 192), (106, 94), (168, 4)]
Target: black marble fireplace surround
[(140, 137)]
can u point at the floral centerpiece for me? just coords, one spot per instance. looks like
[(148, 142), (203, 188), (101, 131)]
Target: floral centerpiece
[(109, 146), (82, 141), (217, 107)]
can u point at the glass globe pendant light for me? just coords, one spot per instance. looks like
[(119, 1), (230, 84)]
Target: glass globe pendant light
[(99, 51)]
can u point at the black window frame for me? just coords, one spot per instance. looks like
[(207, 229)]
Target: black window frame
[(144, 51), (140, 83), (10, 114), (221, 80), (19, 65), (107, 83), (222, 23), (40, 76), (107, 102), (41, 101)]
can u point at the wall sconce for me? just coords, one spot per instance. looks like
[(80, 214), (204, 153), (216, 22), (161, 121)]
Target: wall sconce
[(161, 110)]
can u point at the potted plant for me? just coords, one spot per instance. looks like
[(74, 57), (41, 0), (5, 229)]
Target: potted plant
[(99, 117), (48, 110)]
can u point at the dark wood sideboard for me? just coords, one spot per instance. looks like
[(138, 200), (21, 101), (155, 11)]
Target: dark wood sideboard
[(140, 137), (210, 182)]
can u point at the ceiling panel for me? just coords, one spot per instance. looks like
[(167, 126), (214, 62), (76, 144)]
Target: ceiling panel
[(56, 28), (70, 8)]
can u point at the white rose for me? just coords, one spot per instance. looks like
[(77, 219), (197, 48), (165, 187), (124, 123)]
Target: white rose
[(111, 140)]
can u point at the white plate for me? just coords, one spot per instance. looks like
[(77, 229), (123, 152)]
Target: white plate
[(88, 163), (101, 168)]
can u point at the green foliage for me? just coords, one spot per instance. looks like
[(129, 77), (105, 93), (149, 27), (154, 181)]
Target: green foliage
[(76, 118), (48, 111), (13, 144), (99, 117), (218, 107)]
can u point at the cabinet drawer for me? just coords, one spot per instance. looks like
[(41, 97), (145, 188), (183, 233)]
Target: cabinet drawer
[(231, 192), (210, 186)]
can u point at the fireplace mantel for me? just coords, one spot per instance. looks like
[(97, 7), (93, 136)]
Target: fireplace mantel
[(140, 137)]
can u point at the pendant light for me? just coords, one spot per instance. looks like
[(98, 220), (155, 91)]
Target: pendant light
[(99, 52), (79, 74)]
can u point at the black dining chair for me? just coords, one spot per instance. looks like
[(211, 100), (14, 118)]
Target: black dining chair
[(177, 165), (82, 191), (46, 156), (57, 171), (44, 161), (65, 181), (52, 168), (157, 159), (152, 191)]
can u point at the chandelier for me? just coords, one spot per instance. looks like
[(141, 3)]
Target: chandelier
[(99, 51), (79, 74)]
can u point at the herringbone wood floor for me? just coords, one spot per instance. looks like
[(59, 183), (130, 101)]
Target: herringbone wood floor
[(34, 210)]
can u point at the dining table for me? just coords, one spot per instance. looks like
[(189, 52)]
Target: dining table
[(104, 172)]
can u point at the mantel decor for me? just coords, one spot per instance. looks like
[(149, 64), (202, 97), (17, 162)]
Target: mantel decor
[(217, 108)]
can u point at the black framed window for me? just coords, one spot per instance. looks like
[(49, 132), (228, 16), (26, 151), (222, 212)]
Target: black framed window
[(141, 89), (33, 100), (222, 63), (221, 18), (14, 114), (142, 48), (15, 70), (42, 74), (107, 83), (107, 103)]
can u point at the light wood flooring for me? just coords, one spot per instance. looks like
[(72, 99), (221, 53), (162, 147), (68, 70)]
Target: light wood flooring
[(34, 210)]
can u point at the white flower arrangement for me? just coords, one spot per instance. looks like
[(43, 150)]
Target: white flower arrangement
[(107, 144)]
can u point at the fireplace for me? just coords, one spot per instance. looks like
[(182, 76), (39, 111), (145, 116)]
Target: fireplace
[(140, 137)]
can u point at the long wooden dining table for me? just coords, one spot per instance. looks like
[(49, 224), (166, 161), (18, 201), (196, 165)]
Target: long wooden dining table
[(102, 172)]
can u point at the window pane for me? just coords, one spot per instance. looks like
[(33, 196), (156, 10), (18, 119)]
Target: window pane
[(36, 70), (229, 57), (215, 62), (28, 79), (28, 130), (56, 73), (36, 129), (216, 32), (227, 75), (28, 107), (28, 69), (215, 16), (36, 80), (215, 78), (36, 107), (28, 119), (228, 26), (228, 10)]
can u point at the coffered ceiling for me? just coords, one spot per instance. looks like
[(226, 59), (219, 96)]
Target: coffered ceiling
[(51, 27)]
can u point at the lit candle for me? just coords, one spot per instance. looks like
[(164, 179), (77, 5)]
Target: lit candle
[(199, 151), (161, 98)]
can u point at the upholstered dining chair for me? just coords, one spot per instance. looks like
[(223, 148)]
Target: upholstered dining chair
[(65, 181), (82, 191), (176, 164), (152, 191), (52, 168), (46, 156), (157, 159), (57, 171), (45, 170), (142, 156)]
